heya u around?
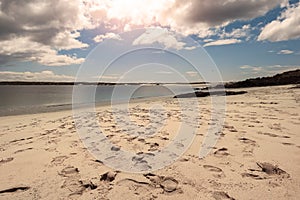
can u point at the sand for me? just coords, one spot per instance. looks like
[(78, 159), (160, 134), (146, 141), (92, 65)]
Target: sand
[(256, 157)]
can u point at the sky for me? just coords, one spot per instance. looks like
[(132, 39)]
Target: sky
[(67, 40)]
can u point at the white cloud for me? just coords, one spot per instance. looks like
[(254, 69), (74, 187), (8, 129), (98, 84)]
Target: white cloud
[(161, 36), (285, 52), (190, 48), (252, 68), (164, 72), (23, 49), (106, 78), (285, 3), (66, 41), (131, 13), (192, 73), (34, 76), (100, 38), (159, 52), (222, 42), (238, 33), (208, 40), (286, 27)]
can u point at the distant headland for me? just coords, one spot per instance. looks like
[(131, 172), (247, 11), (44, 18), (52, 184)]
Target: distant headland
[(285, 78), (88, 83)]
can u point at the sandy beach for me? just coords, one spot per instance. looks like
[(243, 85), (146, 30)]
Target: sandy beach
[(256, 156)]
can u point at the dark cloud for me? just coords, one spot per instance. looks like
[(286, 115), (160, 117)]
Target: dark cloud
[(46, 24), (42, 20), (8, 27), (218, 12)]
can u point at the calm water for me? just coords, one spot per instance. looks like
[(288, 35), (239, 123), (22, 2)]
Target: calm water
[(34, 99)]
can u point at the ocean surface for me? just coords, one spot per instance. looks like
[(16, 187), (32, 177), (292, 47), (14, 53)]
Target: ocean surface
[(28, 99)]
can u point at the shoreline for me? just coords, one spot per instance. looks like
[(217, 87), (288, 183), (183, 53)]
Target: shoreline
[(68, 106)]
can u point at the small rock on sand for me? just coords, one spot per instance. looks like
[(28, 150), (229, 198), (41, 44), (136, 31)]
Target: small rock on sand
[(115, 148), (108, 176), (271, 169), (169, 184)]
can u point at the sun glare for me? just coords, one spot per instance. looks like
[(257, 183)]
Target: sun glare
[(137, 12)]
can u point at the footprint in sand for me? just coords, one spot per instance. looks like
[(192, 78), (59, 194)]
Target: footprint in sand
[(19, 140), (220, 195), (69, 171), (153, 147), (249, 148), (140, 163), (134, 189), (247, 141), (212, 168), (274, 135), (168, 184), (6, 160), (58, 160), (216, 171), (14, 189), (73, 182), (221, 152), (288, 144), (230, 128), (22, 150), (253, 176)]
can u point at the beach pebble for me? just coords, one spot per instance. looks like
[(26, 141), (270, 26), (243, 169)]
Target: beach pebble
[(271, 169), (169, 184), (115, 148), (108, 176)]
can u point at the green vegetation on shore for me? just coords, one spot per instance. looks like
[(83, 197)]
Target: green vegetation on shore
[(285, 78)]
